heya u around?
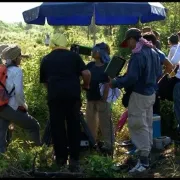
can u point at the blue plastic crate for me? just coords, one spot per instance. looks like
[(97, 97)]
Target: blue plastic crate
[(156, 126)]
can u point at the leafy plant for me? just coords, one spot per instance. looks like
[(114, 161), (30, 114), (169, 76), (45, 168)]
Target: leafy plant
[(98, 166), (20, 157)]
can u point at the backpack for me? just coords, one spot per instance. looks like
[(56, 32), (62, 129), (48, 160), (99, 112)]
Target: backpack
[(4, 94)]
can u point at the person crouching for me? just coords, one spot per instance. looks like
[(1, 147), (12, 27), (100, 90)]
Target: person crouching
[(16, 111)]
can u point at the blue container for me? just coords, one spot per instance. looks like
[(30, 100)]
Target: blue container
[(156, 126)]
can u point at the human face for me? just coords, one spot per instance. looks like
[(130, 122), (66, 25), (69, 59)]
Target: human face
[(96, 55), (18, 60), (131, 43), (169, 43)]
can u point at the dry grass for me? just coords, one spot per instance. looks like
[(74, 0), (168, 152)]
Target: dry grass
[(165, 164)]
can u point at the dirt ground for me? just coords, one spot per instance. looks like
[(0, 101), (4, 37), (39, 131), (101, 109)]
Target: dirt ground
[(164, 163)]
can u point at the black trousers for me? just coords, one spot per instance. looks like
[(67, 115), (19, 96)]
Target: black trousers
[(65, 128)]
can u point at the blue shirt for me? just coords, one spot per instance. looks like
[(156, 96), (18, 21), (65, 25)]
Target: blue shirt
[(143, 71), (162, 56)]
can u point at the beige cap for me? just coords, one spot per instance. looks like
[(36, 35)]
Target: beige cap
[(11, 52), (58, 40)]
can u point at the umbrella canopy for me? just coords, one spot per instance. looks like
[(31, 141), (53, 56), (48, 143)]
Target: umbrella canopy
[(106, 13)]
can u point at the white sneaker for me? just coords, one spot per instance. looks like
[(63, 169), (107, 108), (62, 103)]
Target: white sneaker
[(138, 168)]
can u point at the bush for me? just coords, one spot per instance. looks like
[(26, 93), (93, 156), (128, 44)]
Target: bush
[(21, 157), (35, 92), (101, 167), (168, 119), (39, 41)]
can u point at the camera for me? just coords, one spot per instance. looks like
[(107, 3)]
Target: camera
[(83, 50)]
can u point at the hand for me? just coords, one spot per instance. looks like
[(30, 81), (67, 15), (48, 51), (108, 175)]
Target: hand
[(22, 109), (25, 106), (11, 126), (85, 86)]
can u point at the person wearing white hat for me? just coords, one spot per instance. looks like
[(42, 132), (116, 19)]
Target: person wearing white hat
[(60, 72)]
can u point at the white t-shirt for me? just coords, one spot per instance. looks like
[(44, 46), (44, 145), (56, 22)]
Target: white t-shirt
[(176, 57), (113, 94), (176, 60), (172, 52), (15, 79)]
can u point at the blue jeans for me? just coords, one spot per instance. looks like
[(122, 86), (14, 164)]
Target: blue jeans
[(176, 98)]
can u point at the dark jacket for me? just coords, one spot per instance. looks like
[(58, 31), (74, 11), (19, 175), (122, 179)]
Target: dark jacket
[(143, 71)]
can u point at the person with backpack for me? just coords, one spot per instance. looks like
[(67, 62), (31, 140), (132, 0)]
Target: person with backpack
[(13, 108), (60, 72)]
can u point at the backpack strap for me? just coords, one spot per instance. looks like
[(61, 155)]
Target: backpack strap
[(4, 87), (9, 65), (12, 91)]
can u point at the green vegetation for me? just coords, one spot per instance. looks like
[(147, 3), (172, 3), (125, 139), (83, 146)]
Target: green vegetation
[(30, 38)]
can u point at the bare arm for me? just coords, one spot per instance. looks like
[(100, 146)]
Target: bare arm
[(86, 76), (106, 91), (168, 66)]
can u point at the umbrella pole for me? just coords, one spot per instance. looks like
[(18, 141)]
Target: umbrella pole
[(94, 28)]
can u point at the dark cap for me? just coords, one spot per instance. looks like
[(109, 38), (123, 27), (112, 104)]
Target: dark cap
[(174, 38), (132, 32)]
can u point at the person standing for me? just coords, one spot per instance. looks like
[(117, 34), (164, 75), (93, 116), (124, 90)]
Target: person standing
[(60, 72), (98, 110), (176, 99), (176, 90), (143, 71), (158, 43), (47, 40), (164, 62), (173, 42)]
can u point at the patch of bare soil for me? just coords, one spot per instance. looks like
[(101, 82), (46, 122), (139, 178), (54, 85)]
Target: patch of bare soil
[(164, 164)]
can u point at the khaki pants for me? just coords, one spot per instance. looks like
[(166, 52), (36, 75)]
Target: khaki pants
[(98, 113), (140, 119)]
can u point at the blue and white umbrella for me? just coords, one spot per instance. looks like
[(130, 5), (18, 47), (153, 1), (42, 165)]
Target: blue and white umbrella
[(103, 13)]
